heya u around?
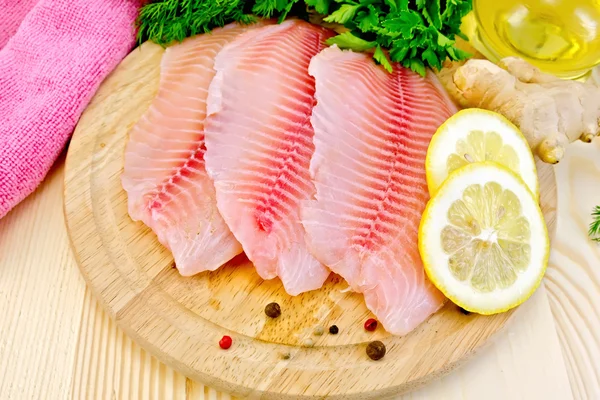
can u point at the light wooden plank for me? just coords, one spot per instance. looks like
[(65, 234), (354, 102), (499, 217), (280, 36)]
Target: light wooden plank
[(41, 297), (109, 365), (573, 279), (524, 362)]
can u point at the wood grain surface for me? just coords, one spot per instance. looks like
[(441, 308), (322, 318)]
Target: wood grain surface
[(573, 277), (180, 320), (56, 342)]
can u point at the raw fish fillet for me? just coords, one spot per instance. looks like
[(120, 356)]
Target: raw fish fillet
[(372, 130), (259, 144), (165, 178)]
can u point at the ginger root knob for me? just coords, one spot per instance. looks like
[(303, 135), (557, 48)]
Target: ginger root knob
[(549, 111)]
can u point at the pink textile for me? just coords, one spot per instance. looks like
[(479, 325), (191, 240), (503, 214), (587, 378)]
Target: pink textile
[(12, 13), (49, 71)]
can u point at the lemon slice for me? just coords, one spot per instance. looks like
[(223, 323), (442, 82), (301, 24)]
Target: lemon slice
[(475, 135), (483, 239)]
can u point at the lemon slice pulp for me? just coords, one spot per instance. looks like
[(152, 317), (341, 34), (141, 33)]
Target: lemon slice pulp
[(476, 135), (483, 239)]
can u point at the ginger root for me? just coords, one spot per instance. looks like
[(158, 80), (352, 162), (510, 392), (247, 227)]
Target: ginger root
[(550, 112)]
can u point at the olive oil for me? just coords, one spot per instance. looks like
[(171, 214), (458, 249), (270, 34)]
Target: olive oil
[(561, 37)]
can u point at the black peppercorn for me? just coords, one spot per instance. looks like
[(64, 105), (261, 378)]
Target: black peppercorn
[(376, 350), (333, 329), (273, 310)]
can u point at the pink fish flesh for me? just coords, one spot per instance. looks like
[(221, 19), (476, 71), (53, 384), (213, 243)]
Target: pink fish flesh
[(259, 144), (164, 176), (372, 130)]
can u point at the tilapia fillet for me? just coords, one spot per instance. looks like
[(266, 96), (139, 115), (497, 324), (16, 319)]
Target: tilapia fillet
[(372, 130), (164, 176), (259, 144)]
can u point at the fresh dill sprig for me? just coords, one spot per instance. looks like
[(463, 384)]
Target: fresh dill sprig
[(168, 21), (594, 231)]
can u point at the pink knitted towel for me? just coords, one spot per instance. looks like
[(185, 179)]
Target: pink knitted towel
[(12, 13), (49, 70)]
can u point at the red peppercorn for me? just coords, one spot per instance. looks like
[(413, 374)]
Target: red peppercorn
[(225, 342), (370, 324)]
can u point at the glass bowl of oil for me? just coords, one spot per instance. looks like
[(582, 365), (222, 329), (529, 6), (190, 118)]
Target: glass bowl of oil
[(561, 37)]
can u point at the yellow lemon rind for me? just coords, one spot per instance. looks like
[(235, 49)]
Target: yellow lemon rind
[(432, 183), (430, 269)]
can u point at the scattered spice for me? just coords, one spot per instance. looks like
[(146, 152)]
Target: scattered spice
[(309, 342), (333, 329), (173, 265), (376, 350), (462, 310), (273, 310), (370, 324), (225, 342), (286, 356), (318, 331)]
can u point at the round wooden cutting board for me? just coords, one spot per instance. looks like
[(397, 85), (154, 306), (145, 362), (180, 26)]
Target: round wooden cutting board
[(181, 320)]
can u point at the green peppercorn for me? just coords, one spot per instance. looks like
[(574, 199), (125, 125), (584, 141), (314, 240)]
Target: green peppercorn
[(376, 350), (333, 329), (273, 310), (318, 331)]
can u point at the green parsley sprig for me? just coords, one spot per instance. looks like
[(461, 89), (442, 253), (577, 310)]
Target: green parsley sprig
[(418, 34), (594, 231), (415, 33)]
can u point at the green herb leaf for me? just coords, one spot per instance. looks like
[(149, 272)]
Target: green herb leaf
[(405, 24), (417, 33), (443, 41), (458, 54), (320, 6), (431, 11), (347, 40), (368, 20), (417, 65), (392, 4), (382, 59), (343, 15), (431, 57), (168, 21), (594, 231), (399, 50)]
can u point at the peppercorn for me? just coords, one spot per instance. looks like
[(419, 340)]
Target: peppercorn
[(333, 329), (371, 324), (225, 342), (376, 350), (273, 310), (462, 310), (286, 356), (318, 331), (308, 342)]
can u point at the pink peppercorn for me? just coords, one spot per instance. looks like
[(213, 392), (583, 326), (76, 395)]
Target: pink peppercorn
[(370, 324), (225, 342)]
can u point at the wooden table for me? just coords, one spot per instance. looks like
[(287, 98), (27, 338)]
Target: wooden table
[(57, 343)]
